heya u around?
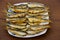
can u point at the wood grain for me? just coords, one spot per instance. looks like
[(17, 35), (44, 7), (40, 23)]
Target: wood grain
[(52, 33)]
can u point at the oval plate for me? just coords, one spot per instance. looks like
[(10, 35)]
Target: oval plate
[(29, 36)]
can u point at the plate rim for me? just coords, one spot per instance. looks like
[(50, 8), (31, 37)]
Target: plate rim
[(39, 34)]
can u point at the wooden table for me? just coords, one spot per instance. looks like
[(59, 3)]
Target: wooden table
[(52, 33)]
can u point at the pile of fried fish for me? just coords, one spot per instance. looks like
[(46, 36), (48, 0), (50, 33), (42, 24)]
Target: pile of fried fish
[(27, 19)]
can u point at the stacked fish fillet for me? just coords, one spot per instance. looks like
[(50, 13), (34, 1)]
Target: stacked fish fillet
[(27, 19)]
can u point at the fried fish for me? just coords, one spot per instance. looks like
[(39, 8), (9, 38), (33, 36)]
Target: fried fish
[(17, 26), (18, 33), (37, 28)]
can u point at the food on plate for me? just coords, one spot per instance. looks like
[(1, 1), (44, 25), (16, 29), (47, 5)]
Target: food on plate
[(34, 23), (32, 5), (18, 33), (33, 19), (39, 27), (27, 19), (16, 26), (17, 15), (31, 32), (16, 19), (21, 6)]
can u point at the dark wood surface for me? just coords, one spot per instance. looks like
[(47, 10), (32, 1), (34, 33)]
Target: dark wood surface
[(52, 34)]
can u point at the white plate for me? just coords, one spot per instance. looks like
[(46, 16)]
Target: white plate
[(29, 36)]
